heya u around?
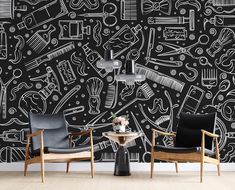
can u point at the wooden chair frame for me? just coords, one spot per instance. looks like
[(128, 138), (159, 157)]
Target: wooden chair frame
[(186, 157), (56, 157)]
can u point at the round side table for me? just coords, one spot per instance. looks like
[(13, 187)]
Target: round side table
[(122, 162)]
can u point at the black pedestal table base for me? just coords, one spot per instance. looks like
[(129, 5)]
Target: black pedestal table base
[(122, 163)]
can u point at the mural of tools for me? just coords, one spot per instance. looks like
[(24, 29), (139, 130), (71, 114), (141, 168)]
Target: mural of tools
[(48, 64)]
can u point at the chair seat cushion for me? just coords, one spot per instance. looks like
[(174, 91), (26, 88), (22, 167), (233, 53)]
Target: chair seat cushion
[(160, 148), (69, 150), (77, 149)]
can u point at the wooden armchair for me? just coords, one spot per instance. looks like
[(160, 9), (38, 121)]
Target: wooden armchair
[(51, 142), (194, 142)]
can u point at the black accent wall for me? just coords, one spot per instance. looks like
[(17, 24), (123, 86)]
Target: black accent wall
[(48, 55)]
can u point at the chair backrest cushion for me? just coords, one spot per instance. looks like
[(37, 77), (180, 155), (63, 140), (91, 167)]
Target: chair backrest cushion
[(55, 133), (189, 130)]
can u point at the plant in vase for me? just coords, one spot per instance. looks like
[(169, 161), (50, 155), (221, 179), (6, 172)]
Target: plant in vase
[(119, 123)]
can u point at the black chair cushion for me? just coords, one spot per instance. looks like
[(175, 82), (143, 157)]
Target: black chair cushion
[(55, 131), (189, 130), (77, 149), (160, 148)]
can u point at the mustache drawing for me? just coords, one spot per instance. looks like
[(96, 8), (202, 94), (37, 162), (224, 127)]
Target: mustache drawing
[(18, 49), (97, 33), (226, 62), (158, 106), (81, 65)]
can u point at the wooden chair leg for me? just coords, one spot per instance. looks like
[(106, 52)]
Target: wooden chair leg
[(92, 167), (67, 168), (42, 170), (176, 167), (25, 168), (152, 165), (201, 171), (218, 169)]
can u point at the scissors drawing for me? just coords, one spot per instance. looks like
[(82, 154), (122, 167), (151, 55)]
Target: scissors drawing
[(3, 91), (109, 19), (92, 123), (203, 40)]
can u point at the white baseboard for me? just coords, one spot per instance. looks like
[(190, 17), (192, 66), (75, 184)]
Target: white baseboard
[(109, 166)]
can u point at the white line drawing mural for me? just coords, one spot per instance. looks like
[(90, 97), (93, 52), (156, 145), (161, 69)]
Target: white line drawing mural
[(175, 20), (190, 78), (221, 21), (163, 6), (158, 106), (149, 59), (175, 33), (195, 3), (143, 93), (108, 14), (192, 100), (79, 62), (219, 6), (209, 78), (12, 154), (128, 10), (97, 33), (160, 78), (50, 55), (50, 11), (112, 92), (66, 72), (73, 30), (33, 2), (94, 87), (203, 40), (8, 8), (225, 37), (18, 49), (123, 39), (41, 39), (226, 62), (90, 4), (65, 98), (3, 93), (3, 41), (14, 135), (35, 102), (92, 57)]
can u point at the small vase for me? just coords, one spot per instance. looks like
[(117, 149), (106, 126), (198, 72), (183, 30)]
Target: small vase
[(122, 128), (119, 128)]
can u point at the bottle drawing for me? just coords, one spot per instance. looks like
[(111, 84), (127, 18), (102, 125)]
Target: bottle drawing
[(92, 57), (123, 39)]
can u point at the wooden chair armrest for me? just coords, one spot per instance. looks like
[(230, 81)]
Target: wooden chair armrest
[(209, 134), (71, 134), (36, 133), (164, 133)]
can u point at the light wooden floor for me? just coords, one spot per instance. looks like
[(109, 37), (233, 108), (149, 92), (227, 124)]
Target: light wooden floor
[(106, 181)]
